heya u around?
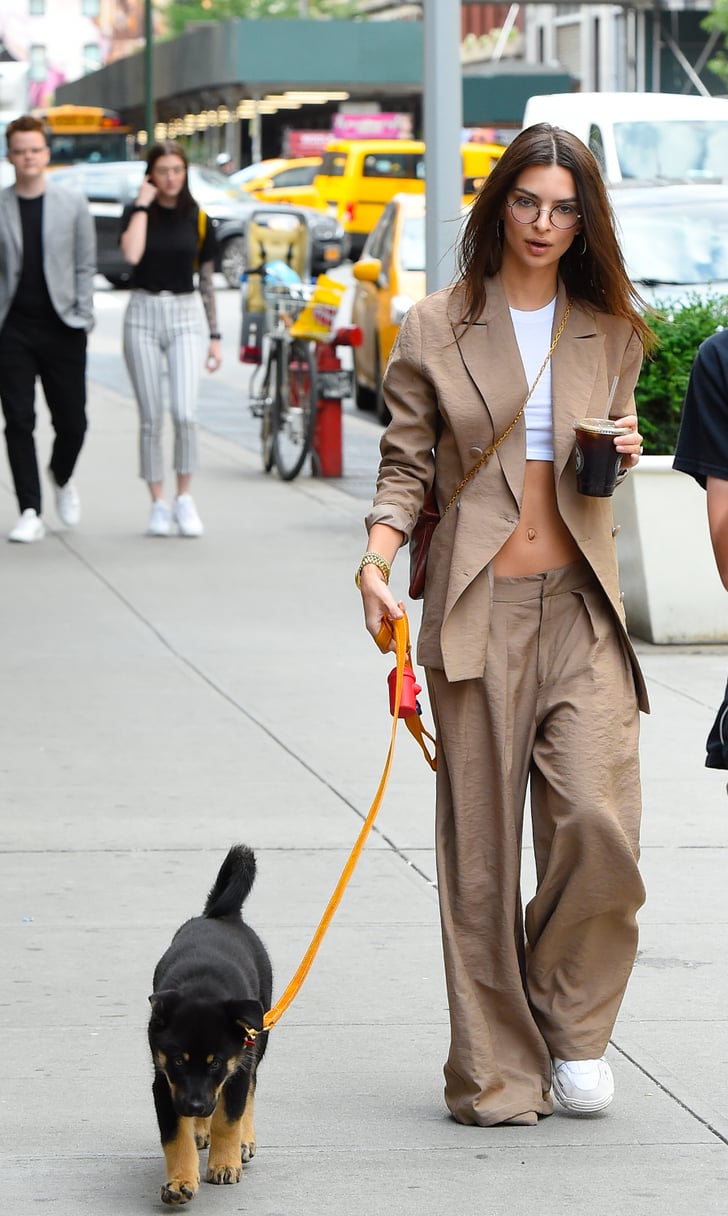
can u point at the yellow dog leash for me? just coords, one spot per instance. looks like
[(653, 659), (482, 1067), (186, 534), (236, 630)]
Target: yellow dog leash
[(400, 630)]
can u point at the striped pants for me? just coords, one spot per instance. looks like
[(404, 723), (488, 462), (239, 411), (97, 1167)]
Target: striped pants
[(556, 708), (164, 330)]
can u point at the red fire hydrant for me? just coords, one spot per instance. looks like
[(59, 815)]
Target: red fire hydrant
[(327, 436), (334, 383)]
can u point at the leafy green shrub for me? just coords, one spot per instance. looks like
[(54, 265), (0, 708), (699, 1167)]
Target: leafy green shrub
[(663, 380)]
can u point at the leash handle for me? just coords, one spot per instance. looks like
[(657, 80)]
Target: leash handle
[(400, 628)]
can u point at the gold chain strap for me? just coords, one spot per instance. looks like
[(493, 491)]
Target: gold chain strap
[(493, 447)]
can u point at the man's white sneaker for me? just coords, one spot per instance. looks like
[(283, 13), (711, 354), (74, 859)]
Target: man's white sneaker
[(68, 504), (160, 520), (186, 517), (583, 1086), (29, 527)]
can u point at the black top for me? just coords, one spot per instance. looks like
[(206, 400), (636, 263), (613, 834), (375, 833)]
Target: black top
[(31, 302), (171, 254), (702, 445)]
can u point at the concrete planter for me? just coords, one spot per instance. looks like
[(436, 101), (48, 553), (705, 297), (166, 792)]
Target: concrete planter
[(672, 592)]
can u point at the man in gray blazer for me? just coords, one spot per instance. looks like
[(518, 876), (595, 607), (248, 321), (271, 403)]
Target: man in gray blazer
[(47, 264)]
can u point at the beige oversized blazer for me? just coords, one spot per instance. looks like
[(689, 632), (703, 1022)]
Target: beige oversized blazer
[(451, 392)]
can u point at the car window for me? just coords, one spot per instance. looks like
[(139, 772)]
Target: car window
[(671, 149), (257, 169), (405, 165), (301, 175), (412, 243), (333, 164), (207, 186), (381, 233), (596, 145), (682, 244)]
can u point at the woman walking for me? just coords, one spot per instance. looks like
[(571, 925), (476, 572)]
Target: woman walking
[(531, 675), (165, 237)]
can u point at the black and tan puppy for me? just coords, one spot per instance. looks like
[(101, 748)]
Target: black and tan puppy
[(211, 990)]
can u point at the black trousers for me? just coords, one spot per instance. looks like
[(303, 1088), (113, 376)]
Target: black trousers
[(56, 354)]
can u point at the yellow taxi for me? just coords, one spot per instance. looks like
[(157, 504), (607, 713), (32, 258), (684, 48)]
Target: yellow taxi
[(358, 177), (389, 279), (478, 160), (282, 181)]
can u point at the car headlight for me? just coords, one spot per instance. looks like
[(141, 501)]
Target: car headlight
[(326, 228)]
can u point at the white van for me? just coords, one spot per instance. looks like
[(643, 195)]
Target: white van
[(643, 136)]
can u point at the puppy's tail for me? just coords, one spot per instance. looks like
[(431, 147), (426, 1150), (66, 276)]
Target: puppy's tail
[(233, 883)]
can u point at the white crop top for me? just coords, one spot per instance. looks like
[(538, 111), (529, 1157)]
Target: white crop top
[(533, 334)]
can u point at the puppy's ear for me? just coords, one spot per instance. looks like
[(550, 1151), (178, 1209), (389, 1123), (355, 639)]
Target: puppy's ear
[(245, 1013), (162, 1004)]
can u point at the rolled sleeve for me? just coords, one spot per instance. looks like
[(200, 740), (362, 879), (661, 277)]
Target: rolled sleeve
[(407, 465)]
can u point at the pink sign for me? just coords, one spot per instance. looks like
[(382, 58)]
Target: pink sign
[(372, 126), (307, 143)]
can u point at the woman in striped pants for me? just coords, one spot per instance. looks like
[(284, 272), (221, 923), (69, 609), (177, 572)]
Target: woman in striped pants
[(165, 237)]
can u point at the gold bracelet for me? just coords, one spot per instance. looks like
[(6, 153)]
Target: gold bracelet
[(373, 559)]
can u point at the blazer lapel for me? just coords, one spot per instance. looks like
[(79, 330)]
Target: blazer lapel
[(11, 216), (491, 358), (574, 367)]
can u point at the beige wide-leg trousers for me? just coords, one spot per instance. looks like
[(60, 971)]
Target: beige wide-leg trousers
[(557, 705)]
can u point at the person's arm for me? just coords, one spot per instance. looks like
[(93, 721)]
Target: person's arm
[(383, 542), (718, 523), (207, 291), (623, 407), (133, 240), (405, 471), (85, 267)]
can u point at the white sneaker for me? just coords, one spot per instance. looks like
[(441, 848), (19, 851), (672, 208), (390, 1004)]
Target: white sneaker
[(29, 527), (68, 504), (160, 520), (583, 1086), (186, 517)]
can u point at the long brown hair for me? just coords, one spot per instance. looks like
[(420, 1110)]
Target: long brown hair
[(168, 147), (597, 277)]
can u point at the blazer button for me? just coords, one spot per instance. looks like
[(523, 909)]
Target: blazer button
[(621, 597), (476, 451), (617, 528)]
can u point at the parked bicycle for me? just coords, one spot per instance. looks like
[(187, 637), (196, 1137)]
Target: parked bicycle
[(283, 389)]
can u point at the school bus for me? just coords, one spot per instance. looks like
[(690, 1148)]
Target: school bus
[(84, 133)]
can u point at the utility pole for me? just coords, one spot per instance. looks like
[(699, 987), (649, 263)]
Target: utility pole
[(148, 73), (443, 117)]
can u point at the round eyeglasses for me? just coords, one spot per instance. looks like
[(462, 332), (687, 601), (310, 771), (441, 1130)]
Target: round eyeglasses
[(526, 211)]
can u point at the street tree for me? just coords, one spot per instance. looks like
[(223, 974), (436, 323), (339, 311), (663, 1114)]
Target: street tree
[(181, 13), (717, 20)]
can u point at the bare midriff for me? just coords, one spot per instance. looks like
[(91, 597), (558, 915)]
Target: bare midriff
[(541, 541)]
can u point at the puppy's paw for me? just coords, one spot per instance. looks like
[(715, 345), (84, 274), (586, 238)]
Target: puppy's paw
[(179, 1190), (247, 1151), (221, 1173), (202, 1133)]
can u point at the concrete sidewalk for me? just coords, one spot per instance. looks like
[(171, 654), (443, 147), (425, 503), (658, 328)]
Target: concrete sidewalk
[(165, 698)]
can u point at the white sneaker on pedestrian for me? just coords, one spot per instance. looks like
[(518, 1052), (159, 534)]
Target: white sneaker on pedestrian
[(186, 517), (68, 504), (160, 520), (583, 1086), (29, 527)]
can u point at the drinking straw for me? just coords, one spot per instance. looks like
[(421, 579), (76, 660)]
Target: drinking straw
[(610, 398)]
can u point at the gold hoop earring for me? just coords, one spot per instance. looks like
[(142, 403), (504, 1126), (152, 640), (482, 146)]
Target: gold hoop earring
[(581, 252)]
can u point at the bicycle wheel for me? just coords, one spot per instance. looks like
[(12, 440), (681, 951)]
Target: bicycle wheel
[(265, 394), (295, 410)]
